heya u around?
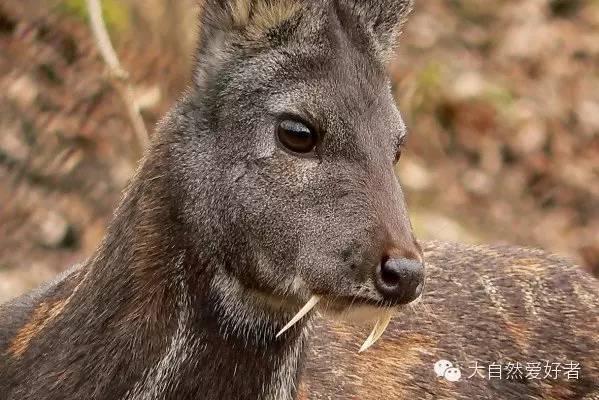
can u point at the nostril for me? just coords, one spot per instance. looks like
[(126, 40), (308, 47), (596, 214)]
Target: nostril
[(400, 280), (390, 273)]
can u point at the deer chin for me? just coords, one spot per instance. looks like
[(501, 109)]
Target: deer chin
[(361, 314), (378, 316), (367, 314)]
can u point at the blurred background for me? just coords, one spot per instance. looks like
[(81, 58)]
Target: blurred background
[(501, 97)]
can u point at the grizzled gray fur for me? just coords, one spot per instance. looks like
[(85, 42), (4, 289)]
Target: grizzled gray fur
[(271, 181)]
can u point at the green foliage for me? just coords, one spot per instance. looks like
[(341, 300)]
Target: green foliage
[(500, 97), (430, 77), (115, 13), (429, 84)]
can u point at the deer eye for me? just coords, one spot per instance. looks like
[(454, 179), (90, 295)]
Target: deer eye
[(399, 149), (296, 136), (397, 155)]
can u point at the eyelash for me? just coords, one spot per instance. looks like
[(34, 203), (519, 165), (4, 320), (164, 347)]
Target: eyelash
[(399, 148), (402, 141)]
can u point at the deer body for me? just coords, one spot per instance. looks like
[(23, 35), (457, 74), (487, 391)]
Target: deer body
[(515, 305), (120, 327), (271, 181)]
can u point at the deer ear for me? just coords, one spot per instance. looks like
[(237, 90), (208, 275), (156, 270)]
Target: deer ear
[(383, 20), (241, 23)]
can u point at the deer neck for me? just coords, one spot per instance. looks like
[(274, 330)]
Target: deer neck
[(194, 330)]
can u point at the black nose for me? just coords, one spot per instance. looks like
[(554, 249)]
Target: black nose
[(399, 280)]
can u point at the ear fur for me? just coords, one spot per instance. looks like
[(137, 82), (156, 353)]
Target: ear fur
[(243, 23), (229, 25), (246, 16), (383, 20)]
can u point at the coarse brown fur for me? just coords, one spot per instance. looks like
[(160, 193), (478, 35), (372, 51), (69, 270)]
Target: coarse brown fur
[(223, 234), (483, 304)]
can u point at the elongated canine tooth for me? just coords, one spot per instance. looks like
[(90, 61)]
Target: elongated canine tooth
[(377, 331), (305, 310)]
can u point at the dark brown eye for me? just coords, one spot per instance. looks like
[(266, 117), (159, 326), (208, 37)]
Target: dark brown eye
[(397, 155), (296, 136), (400, 147)]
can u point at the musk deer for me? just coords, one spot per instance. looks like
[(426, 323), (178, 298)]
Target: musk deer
[(269, 189)]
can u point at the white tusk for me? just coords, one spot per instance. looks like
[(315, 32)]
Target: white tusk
[(305, 310), (368, 342), (383, 324), (378, 330)]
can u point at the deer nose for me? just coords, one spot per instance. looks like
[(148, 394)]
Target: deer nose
[(399, 280)]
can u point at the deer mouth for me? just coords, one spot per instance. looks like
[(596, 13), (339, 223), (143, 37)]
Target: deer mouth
[(342, 304), (349, 309)]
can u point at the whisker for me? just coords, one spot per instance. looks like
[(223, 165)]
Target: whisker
[(356, 295)]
